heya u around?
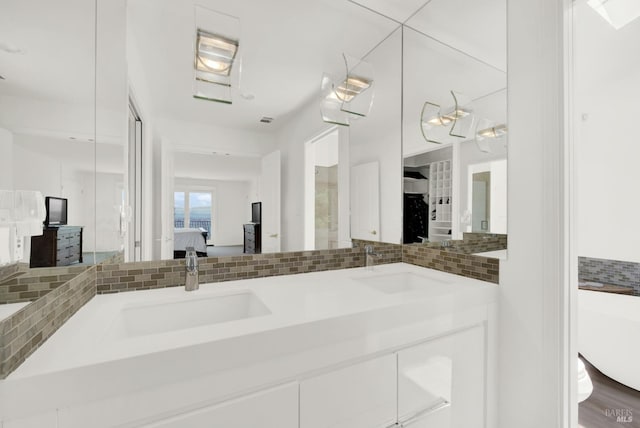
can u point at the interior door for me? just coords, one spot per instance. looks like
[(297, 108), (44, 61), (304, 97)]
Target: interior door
[(365, 201), (269, 195), (167, 203)]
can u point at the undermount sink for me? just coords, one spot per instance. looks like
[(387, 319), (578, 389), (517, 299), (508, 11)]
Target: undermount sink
[(164, 317), (404, 282)]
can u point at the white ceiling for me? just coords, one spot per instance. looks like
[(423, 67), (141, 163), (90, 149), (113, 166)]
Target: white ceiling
[(477, 28), (57, 40), (399, 10), (601, 52), (286, 45)]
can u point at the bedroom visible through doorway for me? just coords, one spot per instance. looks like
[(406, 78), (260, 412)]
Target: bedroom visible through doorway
[(194, 210)]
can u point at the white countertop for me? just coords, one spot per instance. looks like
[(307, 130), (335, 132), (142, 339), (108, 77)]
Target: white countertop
[(316, 318), (497, 254), (9, 309)]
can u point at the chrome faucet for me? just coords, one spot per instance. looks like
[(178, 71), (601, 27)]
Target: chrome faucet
[(369, 257), (191, 262)]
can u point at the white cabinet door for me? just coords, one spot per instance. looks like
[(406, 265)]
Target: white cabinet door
[(358, 396), (269, 194), (274, 408), (365, 202), (441, 383)]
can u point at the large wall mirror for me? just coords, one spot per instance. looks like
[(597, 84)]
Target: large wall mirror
[(112, 127), (267, 151), (455, 125)]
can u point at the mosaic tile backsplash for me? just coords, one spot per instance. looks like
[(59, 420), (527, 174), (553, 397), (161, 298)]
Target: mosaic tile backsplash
[(26, 285), (170, 273), (472, 243), (483, 268), (8, 270), (614, 272), (23, 332)]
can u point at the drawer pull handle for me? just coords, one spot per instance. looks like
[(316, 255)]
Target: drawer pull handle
[(275, 235), (441, 404)]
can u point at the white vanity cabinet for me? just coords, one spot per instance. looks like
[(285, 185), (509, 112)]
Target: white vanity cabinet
[(361, 395), (441, 383), (273, 408), (394, 357), (436, 384)]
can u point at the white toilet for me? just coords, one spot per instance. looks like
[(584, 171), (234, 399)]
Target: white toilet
[(585, 387)]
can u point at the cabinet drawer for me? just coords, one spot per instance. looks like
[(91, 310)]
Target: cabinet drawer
[(274, 408), (358, 396), (441, 382)]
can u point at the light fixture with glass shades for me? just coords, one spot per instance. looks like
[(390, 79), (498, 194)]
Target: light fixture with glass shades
[(443, 125), (617, 13), (348, 96), (216, 59), (486, 131)]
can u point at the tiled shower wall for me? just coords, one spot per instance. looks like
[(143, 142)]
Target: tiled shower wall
[(615, 272), (24, 332)]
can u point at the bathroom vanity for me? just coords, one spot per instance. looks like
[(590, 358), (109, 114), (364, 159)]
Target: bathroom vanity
[(396, 345)]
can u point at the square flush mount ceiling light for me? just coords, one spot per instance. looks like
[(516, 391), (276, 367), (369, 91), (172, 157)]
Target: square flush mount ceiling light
[(618, 13), (216, 62), (214, 56)]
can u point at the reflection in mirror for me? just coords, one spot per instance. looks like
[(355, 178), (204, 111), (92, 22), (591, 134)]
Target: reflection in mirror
[(455, 159), (376, 151), (210, 162), (61, 134), (47, 127)]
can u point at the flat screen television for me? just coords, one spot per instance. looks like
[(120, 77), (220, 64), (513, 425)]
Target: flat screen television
[(256, 212), (56, 211)]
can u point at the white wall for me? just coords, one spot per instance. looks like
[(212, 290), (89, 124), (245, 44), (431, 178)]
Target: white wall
[(471, 155), (298, 129), (535, 364), (139, 91), (65, 169), (231, 207), (606, 128), (6, 159), (203, 138), (378, 136), (215, 167)]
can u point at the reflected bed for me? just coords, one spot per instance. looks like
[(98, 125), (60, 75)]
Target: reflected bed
[(185, 237)]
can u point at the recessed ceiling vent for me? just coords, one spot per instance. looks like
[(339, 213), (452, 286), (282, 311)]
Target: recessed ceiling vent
[(266, 119)]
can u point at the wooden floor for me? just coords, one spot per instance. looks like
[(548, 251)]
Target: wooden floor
[(608, 395)]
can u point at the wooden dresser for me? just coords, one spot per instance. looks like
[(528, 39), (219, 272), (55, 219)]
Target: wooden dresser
[(57, 246), (252, 238)]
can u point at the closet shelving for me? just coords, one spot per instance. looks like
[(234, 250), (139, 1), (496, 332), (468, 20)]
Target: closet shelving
[(440, 200)]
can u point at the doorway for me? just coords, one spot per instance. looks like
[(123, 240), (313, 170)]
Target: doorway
[(322, 191), (132, 215)]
